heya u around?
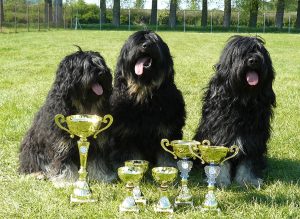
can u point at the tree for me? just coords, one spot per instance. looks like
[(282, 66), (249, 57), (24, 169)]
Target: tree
[(204, 14), (153, 19), (139, 4), (279, 14), (116, 13), (58, 16), (48, 10), (298, 16), (253, 6), (103, 11), (172, 17), (227, 13)]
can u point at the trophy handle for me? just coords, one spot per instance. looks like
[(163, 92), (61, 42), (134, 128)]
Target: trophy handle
[(233, 149), (104, 120), (206, 142), (192, 149), (59, 118), (165, 143)]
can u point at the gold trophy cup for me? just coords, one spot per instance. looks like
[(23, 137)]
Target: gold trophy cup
[(83, 126), (180, 149), (137, 194), (131, 175), (164, 176), (214, 156)]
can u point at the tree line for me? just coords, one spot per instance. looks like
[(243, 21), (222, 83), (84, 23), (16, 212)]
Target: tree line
[(251, 7)]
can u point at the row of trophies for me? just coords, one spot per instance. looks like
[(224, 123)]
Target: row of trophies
[(132, 172)]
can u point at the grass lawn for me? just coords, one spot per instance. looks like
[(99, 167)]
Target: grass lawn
[(28, 62)]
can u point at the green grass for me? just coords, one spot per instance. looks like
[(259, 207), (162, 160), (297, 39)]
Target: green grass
[(28, 62)]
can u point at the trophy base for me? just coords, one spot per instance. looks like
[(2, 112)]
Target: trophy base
[(158, 209), (131, 209), (210, 209), (180, 203), (141, 200), (81, 199)]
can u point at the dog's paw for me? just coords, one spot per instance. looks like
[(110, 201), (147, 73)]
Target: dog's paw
[(245, 177), (38, 175), (224, 178)]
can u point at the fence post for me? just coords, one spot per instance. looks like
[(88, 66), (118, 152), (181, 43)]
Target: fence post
[(156, 20), (64, 10), (264, 22), (16, 18), (129, 18), (48, 16), (238, 23), (211, 22), (71, 17), (1, 20), (289, 23), (27, 16), (100, 13), (38, 17), (183, 20)]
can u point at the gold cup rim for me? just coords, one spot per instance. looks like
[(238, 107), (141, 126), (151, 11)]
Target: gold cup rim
[(182, 143), (138, 162), (84, 118), (171, 170), (134, 170)]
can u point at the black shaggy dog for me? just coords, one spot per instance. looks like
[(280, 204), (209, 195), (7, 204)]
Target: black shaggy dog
[(238, 106), (83, 85), (145, 104)]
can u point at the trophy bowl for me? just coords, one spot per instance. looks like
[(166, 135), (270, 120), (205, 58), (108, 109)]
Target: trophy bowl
[(181, 149), (213, 156), (83, 126), (138, 163), (131, 175), (164, 176), (137, 194)]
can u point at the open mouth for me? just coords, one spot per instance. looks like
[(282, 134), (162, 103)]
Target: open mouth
[(142, 64), (97, 89), (252, 78)]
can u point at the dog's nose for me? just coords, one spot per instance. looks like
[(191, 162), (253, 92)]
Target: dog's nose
[(145, 45), (252, 61)]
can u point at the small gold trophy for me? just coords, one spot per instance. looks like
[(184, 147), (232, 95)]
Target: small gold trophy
[(214, 156), (83, 126), (164, 176), (181, 150), (131, 175), (137, 194)]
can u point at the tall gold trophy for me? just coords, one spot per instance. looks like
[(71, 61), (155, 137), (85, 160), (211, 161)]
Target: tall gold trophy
[(83, 126), (214, 156), (180, 149)]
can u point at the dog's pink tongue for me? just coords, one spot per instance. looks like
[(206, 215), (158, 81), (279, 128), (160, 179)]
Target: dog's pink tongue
[(252, 78), (97, 88), (139, 65)]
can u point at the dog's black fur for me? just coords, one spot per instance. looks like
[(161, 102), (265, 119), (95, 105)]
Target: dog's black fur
[(83, 85), (238, 106), (145, 103)]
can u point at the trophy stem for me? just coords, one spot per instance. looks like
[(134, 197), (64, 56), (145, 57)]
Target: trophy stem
[(210, 202), (82, 192), (129, 204), (164, 204), (185, 197)]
